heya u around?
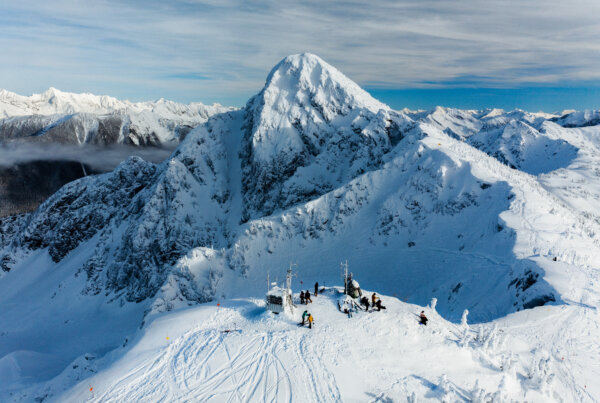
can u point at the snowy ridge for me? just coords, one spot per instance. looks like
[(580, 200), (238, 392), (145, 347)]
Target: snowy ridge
[(86, 118), (490, 211)]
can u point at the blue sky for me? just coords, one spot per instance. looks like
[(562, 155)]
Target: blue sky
[(535, 55)]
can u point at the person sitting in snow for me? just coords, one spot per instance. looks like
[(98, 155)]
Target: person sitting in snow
[(423, 318), (365, 301), (378, 305), (307, 296), (304, 316), (374, 299), (310, 321), (302, 297)]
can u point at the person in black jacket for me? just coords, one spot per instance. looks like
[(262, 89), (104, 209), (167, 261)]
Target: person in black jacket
[(316, 288), (302, 297), (365, 301), (423, 318), (307, 296)]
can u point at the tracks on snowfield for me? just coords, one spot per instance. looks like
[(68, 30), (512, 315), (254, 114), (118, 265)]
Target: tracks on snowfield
[(232, 367)]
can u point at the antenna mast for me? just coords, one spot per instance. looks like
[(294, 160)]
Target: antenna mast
[(344, 266), (288, 278)]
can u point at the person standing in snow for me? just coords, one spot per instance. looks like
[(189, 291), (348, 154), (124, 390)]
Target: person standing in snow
[(423, 318), (304, 316), (307, 297), (316, 288), (365, 302), (302, 298), (310, 321)]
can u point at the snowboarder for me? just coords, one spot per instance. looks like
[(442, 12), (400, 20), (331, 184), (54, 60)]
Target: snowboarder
[(374, 299), (365, 301), (423, 318), (304, 316), (307, 297), (316, 288), (302, 297), (310, 321), (379, 306)]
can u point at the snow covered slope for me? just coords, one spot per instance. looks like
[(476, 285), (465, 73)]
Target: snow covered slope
[(239, 352), (56, 116), (490, 211)]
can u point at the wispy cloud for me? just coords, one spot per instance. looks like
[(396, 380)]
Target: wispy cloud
[(222, 50)]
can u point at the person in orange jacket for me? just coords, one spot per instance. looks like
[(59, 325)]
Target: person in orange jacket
[(310, 321)]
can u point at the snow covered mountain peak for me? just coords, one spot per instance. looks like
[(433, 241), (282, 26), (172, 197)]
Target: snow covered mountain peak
[(58, 116), (310, 128), (306, 80)]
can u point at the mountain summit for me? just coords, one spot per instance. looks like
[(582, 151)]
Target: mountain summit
[(307, 108)]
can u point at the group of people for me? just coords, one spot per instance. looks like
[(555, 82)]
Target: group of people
[(307, 317), (305, 295), (375, 302)]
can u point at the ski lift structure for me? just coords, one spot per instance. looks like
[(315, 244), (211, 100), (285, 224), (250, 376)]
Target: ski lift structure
[(279, 298)]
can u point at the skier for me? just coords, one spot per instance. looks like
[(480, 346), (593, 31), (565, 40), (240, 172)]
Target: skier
[(365, 302), (310, 321), (304, 316), (423, 318), (302, 297), (307, 297), (379, 306), (316, 288), (374, 299)]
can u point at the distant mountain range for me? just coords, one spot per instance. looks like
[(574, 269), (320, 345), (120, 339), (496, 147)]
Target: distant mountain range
[(56, 118)]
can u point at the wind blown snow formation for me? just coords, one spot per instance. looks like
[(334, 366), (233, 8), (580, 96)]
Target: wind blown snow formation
[(490, 211)]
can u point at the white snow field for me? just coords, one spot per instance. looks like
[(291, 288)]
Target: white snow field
[(240, 352), (147, 283)]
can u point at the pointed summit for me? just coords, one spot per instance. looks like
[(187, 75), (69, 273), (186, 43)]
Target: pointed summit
[(307, 81), (308, 129)]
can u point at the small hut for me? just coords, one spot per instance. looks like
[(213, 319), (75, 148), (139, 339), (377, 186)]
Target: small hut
[(278, 298)]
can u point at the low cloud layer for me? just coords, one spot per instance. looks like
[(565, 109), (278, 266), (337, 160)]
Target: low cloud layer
[(100, 158), (222, 50)]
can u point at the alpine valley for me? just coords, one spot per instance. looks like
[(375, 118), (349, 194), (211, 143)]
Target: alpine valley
[(147, 283)]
